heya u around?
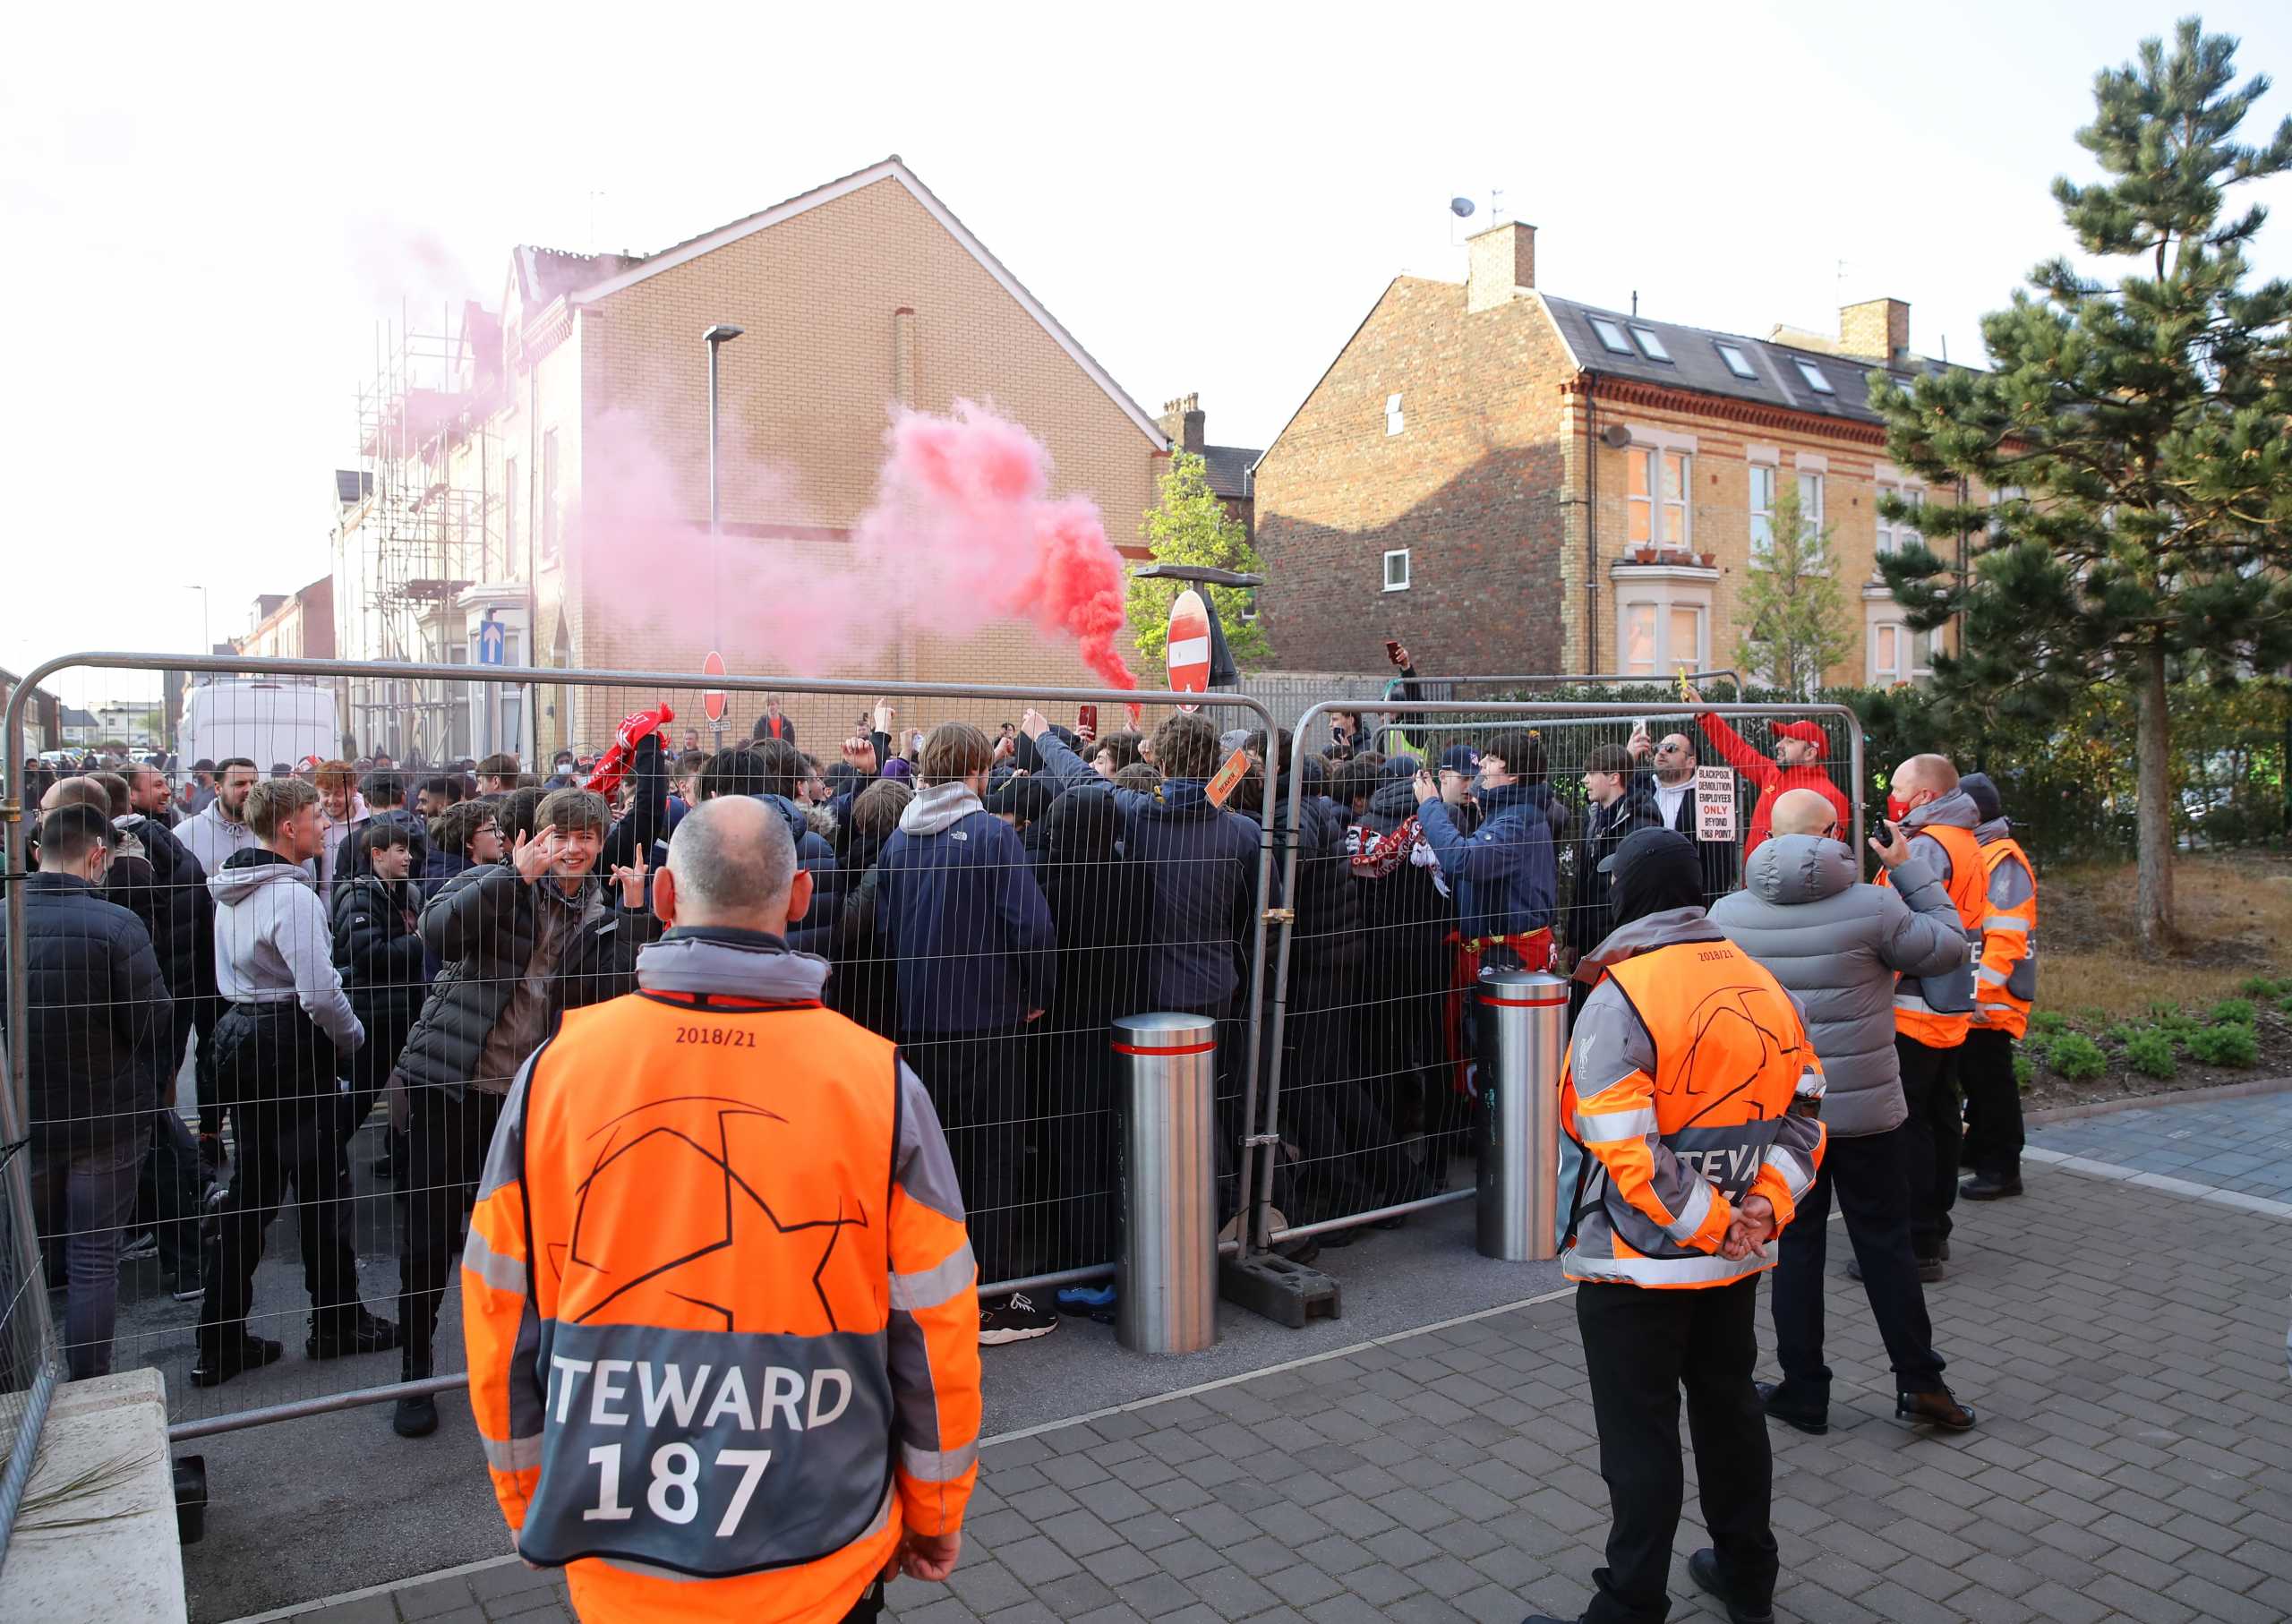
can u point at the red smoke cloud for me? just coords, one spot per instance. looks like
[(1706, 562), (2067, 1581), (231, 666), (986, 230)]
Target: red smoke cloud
[(964, 505)]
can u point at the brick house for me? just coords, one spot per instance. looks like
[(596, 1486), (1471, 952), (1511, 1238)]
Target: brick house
[(861, 295), (1186, 426), (293, 626), (1513, 483)]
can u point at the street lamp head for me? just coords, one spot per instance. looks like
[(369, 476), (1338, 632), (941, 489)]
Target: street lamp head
[(723, 332)]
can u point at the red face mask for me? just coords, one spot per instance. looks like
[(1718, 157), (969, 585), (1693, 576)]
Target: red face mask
[(1897, 808)]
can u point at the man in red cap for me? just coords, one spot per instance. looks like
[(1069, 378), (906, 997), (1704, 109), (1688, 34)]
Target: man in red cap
[(1799, 750)]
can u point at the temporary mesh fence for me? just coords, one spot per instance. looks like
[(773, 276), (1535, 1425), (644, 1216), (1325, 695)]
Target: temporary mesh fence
[(1404, 887), (330, 965), (30, 1367)]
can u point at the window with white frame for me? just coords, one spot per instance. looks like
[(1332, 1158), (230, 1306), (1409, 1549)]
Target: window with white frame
[(1611, 336), (549, 514), (1394, 422), (1397, 570), (1663, 637), (1762, 510), (1810, 516), (1816, 380), (1894, 534), (1899, 655), (1655, 497), (1737, 361)]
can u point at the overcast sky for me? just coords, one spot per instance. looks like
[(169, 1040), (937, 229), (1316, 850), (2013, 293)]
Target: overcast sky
[(206, 220)]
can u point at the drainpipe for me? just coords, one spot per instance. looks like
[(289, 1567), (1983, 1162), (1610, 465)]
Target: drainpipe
[(1591, 529)]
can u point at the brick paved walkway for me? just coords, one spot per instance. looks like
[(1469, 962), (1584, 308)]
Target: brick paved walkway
[(2242, 1145), (2125, 1348)]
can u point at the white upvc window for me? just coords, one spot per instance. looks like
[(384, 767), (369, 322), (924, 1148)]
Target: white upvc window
[(1810, 517), (1899, 655), (1896, 534), (1762, 510), (1394, 422), (1664, 637), (1655, 497), (1397, 570)]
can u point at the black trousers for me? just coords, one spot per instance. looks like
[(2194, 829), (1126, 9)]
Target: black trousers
[(1929, 1141), (446, 1152), (981, 1084), (281, 1143), (167, 1193), (1641, 1348), (1866, 1174), (1993, 1103)]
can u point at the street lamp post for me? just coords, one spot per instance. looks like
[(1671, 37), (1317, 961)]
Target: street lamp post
[(718, 336)]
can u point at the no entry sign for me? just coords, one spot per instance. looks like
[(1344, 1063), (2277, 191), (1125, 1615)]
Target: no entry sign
[(712, 702), (1189, 644)]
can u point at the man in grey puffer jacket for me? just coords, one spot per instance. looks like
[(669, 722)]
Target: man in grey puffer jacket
[(1838, 945)]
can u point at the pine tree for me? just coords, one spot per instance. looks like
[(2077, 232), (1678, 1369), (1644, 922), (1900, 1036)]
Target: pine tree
[(1795, 626), (2133, 434), (1190, 525)]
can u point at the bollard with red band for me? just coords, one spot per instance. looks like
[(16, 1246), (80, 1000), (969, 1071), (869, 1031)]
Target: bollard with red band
[(1523, 1021), (1165, 1138)]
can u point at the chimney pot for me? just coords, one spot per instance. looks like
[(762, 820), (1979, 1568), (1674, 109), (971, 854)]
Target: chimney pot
[(1503, 265)]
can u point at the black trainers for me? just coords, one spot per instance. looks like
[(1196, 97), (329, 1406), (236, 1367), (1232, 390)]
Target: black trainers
[(220, 1361), (415, 1417), (144, 1246), (365, 1334), (1015, 1319), (1702, 1567), (1983, 1187)]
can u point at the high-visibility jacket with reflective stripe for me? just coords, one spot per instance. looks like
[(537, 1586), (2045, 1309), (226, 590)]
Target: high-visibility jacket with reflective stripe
[(1915, 1016), (2005, 968), (1679, 1085), (722, 1308)]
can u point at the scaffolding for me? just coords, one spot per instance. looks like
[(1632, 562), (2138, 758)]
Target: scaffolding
[(423, 523)]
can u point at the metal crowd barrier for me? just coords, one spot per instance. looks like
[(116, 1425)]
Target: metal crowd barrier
[(30, 1367), (1368, 1114), (1038, 1138)]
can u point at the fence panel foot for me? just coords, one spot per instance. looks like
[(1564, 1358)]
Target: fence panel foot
[(1274, 1288)]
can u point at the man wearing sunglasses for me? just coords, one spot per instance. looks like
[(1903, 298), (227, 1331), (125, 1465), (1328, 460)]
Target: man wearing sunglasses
[(1667, 779)]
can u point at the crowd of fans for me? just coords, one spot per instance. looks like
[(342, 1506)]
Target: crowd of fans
[(353, 942)]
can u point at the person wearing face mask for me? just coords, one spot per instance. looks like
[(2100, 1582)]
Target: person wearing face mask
[(1799, 748), (96, 1022), (1934, 1014), (519, 942)]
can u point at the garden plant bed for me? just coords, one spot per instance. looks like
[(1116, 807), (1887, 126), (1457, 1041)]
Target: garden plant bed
[(2109, 1020)]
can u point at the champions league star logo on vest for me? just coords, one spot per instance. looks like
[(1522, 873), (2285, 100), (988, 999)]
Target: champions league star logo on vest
[(668, 1143)]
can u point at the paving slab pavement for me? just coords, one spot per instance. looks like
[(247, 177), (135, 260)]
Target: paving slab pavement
[(2126, 1347)]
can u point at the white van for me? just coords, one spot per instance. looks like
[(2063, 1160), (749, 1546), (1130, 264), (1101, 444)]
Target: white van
[(265, 720)]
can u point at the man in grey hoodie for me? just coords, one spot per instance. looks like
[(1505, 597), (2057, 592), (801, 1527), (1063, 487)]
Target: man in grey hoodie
[(1838, 945), (279, 1049)]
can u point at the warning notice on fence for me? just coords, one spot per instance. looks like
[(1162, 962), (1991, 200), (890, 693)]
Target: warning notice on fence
[(1715, 803)]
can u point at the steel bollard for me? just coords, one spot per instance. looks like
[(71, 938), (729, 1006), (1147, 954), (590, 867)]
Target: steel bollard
[(1523, 1041), (1166, 1261)]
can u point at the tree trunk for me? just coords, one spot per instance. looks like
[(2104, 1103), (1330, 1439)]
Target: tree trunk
[(2153, 906)]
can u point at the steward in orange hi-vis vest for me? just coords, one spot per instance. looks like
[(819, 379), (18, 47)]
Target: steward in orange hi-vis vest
[(1694, 1091), (721, 1305), (2005, 985)]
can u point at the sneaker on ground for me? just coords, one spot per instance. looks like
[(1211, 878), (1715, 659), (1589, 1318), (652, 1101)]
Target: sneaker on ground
[(1082, 1299), (1015, 1319), (144, 1246)]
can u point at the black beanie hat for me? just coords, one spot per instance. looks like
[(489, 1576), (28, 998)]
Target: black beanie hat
[(1653, 871)]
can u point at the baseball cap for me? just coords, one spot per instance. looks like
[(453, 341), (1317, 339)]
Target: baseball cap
[(1460, 758), (1808, 731)]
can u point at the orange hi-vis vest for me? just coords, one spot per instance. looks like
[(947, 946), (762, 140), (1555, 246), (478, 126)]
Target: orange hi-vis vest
[(2005, 963), (1915, 1017), (1671, 1152), (680, 1289)]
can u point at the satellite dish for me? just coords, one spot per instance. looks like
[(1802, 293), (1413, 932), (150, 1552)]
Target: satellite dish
[(1461, 207), (1615, 437)]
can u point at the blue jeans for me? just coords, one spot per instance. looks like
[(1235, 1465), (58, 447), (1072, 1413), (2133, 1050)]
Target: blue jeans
[(81, 1200)]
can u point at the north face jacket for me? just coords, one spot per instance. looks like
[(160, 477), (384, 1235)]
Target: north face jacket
[(1838, 945)]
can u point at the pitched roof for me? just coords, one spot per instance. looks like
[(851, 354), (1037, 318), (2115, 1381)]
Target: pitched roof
[(633, 270), (547, 272), (1696, 362), (1227, 468)]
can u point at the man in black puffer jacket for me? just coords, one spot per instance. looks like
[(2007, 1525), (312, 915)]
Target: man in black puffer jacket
[(97, 1018), (521, 942), (378, 949)]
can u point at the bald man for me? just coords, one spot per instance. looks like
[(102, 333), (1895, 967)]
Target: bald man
[(1839, 945), (787, 1207), (1934, 1014)]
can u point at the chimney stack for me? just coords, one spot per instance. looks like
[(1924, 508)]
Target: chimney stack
[(1876, 328), (1503, 265), (1182, 422)]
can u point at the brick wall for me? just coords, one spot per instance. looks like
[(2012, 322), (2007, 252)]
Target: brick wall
[(1470, 486)]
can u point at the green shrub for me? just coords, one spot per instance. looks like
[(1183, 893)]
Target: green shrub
[(2285, 1004), (2093, 1017), (2123, 1032), (2233, 1044), (2151, 1054), (2260, 987), (2164, 1011), (2024, 1069), (2048, 1023), (2233, 1012), (2077, 1057)]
